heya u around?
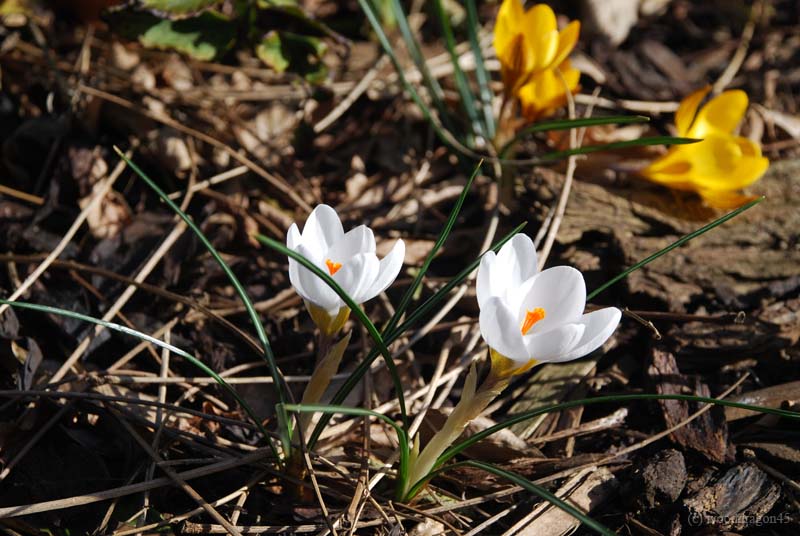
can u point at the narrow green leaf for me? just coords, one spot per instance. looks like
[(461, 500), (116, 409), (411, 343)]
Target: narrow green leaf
[(442, 293), (641, 142), (402, 437), (536, 490), (404, 302), (444, 135), (412, 45), (269, 357), (564, 124), (161, 344), (674, 245), (462, 84), (354, 309), (463, 445), (482, 75), (362, 368)]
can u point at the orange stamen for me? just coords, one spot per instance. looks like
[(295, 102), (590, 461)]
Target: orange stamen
[(531, 317), (333, 267)]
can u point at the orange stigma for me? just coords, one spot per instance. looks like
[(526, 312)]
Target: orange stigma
[(531, 317), (333, 267)]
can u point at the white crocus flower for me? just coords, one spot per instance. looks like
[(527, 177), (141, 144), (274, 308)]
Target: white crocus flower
[(532, 317), (348, 257)]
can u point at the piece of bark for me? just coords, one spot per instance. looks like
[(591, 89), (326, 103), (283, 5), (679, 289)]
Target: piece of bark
[(708, 433), (737, 500), (589, 495), (660, 480)]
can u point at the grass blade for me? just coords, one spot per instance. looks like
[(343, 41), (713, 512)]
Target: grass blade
[(460, 447), (674, 245), (436, 92), (641, 142), (444, 135), (161, 344), (462, 84), (440, 294), (481, 74), (564, 124), (268, 356), (362, 368), (354, 309), (451, 220), (402, 437), (529, 486)]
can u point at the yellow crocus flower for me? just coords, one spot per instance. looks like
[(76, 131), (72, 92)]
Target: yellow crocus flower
[(546, 91), (720, 165), (528, 43)]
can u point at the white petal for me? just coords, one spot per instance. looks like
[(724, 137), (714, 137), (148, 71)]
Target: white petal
[(294, 278), (519, 257), (483, 288), (502, 274), (389, 269), (561, 292), (599, 327), (357, 275), (554, 345), (322, 229), (293, 237), (314, 289), (501, 332), (354, 241), (295, 242)]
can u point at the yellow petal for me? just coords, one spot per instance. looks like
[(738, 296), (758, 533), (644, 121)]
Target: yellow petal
[(507, 27), (516, 67), (720, 115), (567, 39), (688, 110), (725, 163), (673, 170), (748, 146), (541, 35), (719, 163), (724, 199), (546, 91)]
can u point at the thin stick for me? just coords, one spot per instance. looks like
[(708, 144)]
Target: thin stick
[(98, 196), (24, 196), (278, 183), (210, 510), (739, 56), (90, 498), (353, 96), (149, 266)]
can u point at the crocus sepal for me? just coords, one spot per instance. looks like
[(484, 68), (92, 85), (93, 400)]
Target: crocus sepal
[(505, 367), (328, 324), (474, 401)]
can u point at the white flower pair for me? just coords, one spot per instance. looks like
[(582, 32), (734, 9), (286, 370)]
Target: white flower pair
[(526, 316)]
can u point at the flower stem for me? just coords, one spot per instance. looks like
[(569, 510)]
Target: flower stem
[(473, 402)]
